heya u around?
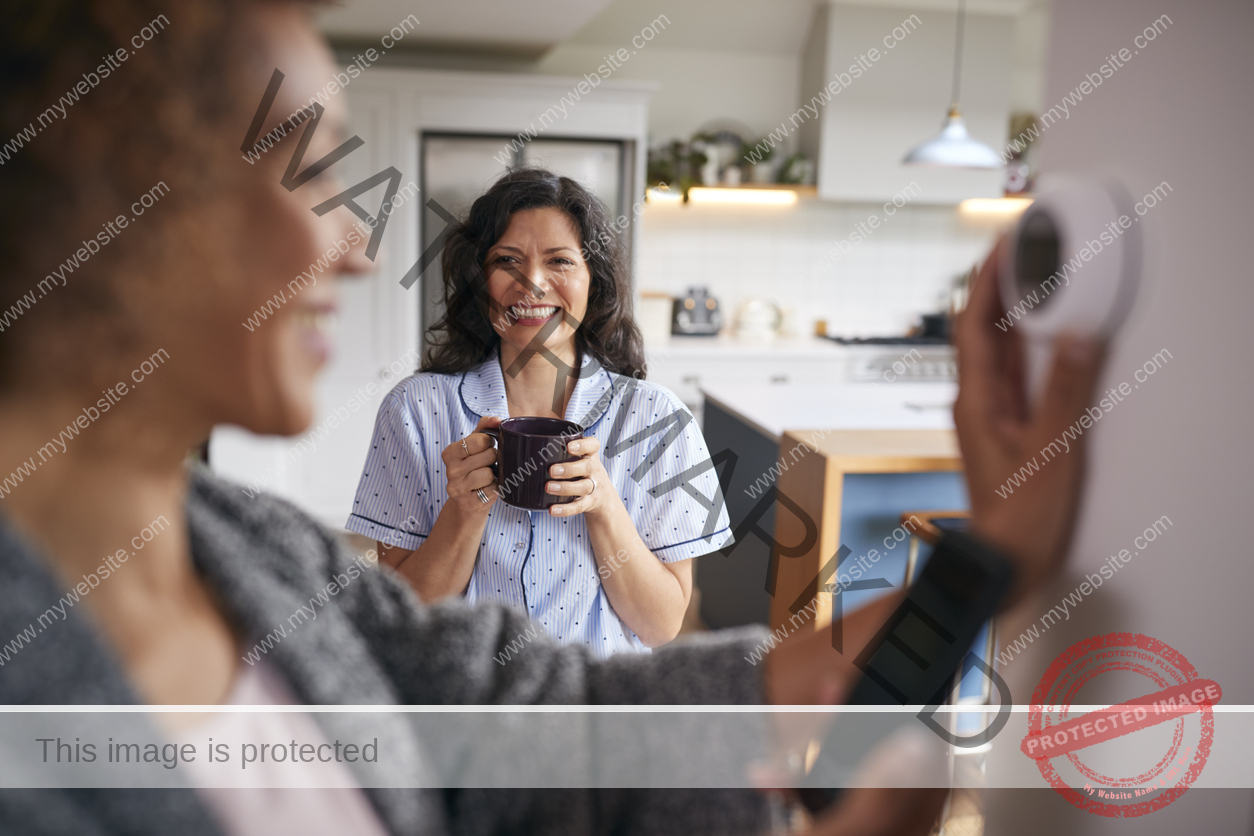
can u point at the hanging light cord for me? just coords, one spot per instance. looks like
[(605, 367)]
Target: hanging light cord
[(962, 13)]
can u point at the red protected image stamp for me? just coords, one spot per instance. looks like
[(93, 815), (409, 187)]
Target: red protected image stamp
[(1134, 757)]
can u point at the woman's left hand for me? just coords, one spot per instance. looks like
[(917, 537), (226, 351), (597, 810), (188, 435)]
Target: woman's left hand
[(591, 484)]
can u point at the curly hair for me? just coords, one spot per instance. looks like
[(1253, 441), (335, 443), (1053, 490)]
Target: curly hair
[(464, 337), (139, 111)]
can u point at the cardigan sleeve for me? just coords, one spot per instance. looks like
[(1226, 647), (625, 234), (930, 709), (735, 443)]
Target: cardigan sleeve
[(490, 653), (456, 653)]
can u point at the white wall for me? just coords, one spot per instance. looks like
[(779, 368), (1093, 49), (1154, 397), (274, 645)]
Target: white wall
[(788, 255), (901, 99), (1180, 445), (1027, 74), (695, 85)]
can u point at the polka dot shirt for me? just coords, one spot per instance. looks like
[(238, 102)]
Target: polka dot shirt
[(542, 563)]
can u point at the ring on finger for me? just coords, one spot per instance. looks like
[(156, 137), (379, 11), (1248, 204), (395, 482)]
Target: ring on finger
[(483, 497), (594, 485), (466, 448)]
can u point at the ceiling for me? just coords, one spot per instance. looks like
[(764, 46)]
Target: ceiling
[(532, 27), (506, 25), (763, 26)]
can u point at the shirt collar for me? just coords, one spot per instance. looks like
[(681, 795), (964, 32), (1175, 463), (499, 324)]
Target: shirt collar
[(483, 391)]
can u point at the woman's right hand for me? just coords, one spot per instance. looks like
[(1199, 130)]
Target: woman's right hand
[(1000, 436), (468, 464)]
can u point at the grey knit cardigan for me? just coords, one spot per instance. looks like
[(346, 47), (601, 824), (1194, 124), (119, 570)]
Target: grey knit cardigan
[(372, 643)]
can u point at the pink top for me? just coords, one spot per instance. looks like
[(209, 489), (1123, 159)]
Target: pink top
[(269, 798)]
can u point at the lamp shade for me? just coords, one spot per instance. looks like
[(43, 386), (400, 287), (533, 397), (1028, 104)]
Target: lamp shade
[(954, 148)]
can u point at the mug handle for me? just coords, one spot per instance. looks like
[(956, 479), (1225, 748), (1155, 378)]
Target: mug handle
[(494, 433)]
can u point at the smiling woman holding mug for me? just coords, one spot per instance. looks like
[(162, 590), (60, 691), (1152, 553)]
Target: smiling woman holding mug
[(538, 330)]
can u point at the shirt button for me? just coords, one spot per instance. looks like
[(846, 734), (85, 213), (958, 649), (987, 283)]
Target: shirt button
[(520, 545)]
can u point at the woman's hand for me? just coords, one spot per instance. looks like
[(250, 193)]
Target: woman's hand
[(1032, 522), (591, 484), (468, 464)]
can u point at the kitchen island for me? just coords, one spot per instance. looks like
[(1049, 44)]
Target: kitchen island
[(808, 468)]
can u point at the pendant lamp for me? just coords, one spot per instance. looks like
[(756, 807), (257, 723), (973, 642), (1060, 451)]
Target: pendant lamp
[(953, 147)]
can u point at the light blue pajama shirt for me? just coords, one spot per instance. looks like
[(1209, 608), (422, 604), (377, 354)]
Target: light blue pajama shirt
[(529, 558)]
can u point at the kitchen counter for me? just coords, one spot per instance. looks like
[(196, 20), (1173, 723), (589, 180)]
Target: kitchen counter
[(726, 345)]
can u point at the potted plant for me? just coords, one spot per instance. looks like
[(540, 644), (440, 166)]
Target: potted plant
[(756, 159)]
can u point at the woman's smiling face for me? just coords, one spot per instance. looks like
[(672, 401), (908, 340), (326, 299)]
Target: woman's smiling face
[(536, 274)]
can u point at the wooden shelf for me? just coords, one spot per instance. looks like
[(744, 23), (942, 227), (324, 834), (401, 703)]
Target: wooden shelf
[(807, 191)]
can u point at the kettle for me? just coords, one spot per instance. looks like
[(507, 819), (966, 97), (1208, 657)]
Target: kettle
[(758, 318)]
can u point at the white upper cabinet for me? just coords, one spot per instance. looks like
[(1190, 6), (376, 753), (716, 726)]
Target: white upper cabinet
[(885, 73)]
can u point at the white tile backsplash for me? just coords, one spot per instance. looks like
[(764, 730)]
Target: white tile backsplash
[(788, 254)]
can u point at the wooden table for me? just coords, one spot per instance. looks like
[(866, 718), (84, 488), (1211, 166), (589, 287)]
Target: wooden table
[(819, 460)]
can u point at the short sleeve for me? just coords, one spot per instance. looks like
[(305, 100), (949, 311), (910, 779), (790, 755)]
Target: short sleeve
[(680, 511), (394, 504)]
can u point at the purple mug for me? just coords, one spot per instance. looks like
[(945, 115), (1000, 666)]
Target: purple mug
[(526, 447)]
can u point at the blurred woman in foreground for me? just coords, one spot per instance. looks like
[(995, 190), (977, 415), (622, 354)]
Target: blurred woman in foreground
[(112, 373)]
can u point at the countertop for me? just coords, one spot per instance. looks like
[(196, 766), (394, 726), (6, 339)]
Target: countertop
[(725, 346), (779, 408)]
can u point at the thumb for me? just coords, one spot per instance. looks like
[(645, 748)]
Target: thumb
[(1077, 364), (487, 421)]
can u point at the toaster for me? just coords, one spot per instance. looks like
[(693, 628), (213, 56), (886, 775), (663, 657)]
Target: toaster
[(696, 314)]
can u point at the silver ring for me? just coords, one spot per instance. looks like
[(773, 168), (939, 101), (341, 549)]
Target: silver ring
[(464, 447), (594, 485), (483, 497)]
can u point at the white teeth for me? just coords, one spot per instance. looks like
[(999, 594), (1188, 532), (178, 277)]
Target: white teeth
[(320, 320), (534, 312)]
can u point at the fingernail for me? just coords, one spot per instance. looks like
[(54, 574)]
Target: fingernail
[(573, 447), (555, 509), (558, 470), (552, 487)]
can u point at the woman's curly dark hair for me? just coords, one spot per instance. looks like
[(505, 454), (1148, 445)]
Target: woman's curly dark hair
[(464, 337), (165, 83)]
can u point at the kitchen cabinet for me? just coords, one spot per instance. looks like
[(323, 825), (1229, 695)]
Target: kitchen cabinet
[(687, 365), (890, 68)]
